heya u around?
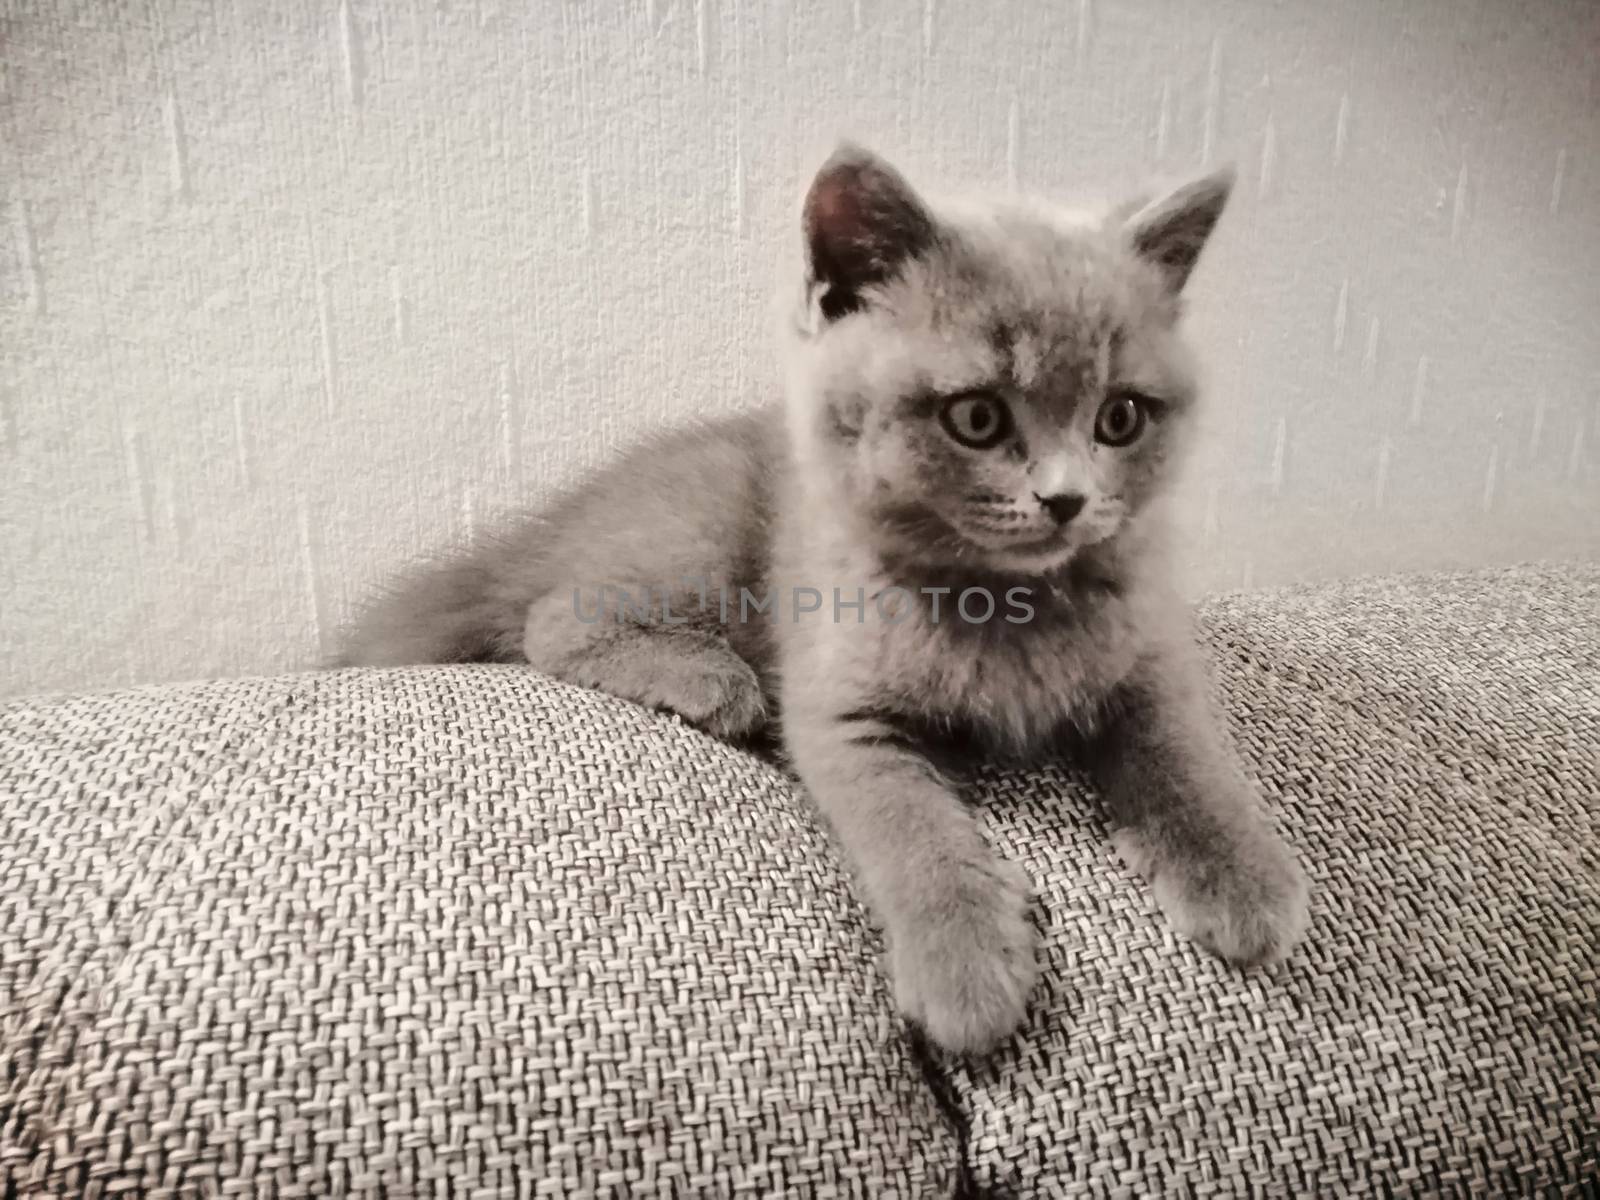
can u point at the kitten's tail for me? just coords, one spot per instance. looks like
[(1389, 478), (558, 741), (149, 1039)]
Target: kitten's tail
[(452, 609)]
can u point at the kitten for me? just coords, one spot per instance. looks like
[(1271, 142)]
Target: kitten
[(985, 407)]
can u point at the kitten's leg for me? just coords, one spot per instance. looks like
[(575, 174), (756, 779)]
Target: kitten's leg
[(961, 947), (1188, 821), (689, 668)]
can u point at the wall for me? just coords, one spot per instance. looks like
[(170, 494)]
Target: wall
[(291, 289)]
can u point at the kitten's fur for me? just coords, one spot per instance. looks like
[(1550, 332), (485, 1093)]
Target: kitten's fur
[(858, 483)]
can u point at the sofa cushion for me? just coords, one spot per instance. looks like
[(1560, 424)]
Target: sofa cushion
[(1432, 747)]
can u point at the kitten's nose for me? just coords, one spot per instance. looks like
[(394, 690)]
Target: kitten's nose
[(1062, 507)]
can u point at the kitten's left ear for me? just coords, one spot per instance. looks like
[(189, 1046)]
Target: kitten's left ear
[(863, 222), (1171, 232)]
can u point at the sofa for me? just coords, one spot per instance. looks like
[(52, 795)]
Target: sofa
[(471, 932)]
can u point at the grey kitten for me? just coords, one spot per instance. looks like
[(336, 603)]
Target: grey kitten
[(985, 405)]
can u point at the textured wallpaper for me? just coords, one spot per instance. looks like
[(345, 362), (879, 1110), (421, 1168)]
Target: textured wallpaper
[(292, 289)]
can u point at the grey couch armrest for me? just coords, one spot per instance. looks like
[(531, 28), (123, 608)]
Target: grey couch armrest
[(455, 931)]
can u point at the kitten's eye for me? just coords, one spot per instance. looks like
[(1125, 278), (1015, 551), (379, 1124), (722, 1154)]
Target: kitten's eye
[(977, 420), (1121, 420)]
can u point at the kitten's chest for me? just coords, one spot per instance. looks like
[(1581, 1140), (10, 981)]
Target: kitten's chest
[(1018, 677)]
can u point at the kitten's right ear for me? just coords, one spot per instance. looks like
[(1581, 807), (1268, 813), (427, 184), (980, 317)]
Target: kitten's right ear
[(1171, 231), (862, 223)]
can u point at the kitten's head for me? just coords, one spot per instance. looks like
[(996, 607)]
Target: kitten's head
[(993, 386)]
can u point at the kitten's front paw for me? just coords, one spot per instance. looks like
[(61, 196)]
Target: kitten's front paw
[(1245, 902), (963, 964), (717, 692)]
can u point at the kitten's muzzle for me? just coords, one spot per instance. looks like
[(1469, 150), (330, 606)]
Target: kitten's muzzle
[(1062, 507)]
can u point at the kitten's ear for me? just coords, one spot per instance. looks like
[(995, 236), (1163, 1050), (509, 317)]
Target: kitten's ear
[(1171, 231), (862, 223)]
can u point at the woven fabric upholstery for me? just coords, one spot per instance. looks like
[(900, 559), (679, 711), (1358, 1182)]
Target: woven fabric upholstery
[(467, 932)]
